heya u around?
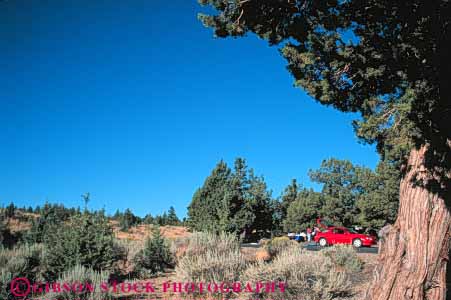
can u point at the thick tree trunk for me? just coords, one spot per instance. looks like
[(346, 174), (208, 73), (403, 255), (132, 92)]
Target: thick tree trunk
[(414, 252)]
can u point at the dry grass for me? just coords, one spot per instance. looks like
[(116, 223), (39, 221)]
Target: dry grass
[(16, 225), (211, 258), (141, 232), (307, 275)]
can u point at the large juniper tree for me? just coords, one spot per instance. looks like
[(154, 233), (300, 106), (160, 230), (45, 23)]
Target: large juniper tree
[(385, 60)]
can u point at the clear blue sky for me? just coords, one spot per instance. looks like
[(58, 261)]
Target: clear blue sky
[(135, 102)]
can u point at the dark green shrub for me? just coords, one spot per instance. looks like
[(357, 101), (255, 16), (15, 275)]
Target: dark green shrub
[(86, 240), (155, 257)]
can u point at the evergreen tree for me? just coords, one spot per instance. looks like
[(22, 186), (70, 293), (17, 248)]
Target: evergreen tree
[(304, 211), (172, 218), (155, 256), (209, 208), (384, 60), (239, 209), (51, 216), (259, 206), (229, 201), (339, 181), (86, 240), (289, 196), (127, 220), (378, 205), (10, 210), (148, 219)]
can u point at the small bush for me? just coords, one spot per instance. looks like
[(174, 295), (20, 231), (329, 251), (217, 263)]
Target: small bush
[(279, 244), (155, 256), (22, 261), (211, 258), (179, 246), (307, 275), (344, 256), (84, 276), (124, 253)]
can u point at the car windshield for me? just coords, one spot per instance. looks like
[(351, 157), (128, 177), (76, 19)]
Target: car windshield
[(351, 230)]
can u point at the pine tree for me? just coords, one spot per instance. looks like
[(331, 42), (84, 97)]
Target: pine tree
[(236, 202), (172, 218), (86, 240), (10, 210), (289, 196), (148, 219), (304, 211), (378, 205), (208, 210), (339, 181), (127, 220), (155, 257)]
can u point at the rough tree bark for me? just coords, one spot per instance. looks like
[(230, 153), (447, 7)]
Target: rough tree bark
[(414, 253)]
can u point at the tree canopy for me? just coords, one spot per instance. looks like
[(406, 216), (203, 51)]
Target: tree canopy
[(383, 59), (231, 201)]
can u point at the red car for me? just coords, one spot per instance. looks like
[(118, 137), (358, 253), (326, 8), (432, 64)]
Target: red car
[(341, 235)]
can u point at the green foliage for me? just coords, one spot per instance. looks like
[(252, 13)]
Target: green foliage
[(10, 210), (167, 218), (148, 219), (382, 59), (208, 208), (338, 178), (304, 211), (51, 216), (229, 201), (86, 239), (172, 218), (289, 196), (127, 220), (351, 195), (379, 205), (155, 257)]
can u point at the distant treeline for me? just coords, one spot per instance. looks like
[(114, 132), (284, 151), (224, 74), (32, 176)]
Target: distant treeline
[(42, 218), (236, 200)]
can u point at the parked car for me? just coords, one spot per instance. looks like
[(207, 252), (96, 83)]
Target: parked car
[(340, 235)]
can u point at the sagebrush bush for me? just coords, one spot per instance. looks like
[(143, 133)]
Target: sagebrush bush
[(155, 256), (307, 275), (179, 246), (211, 258), (127, 250), (80, 274), (279, 244), (24, 261), (344, 256)]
